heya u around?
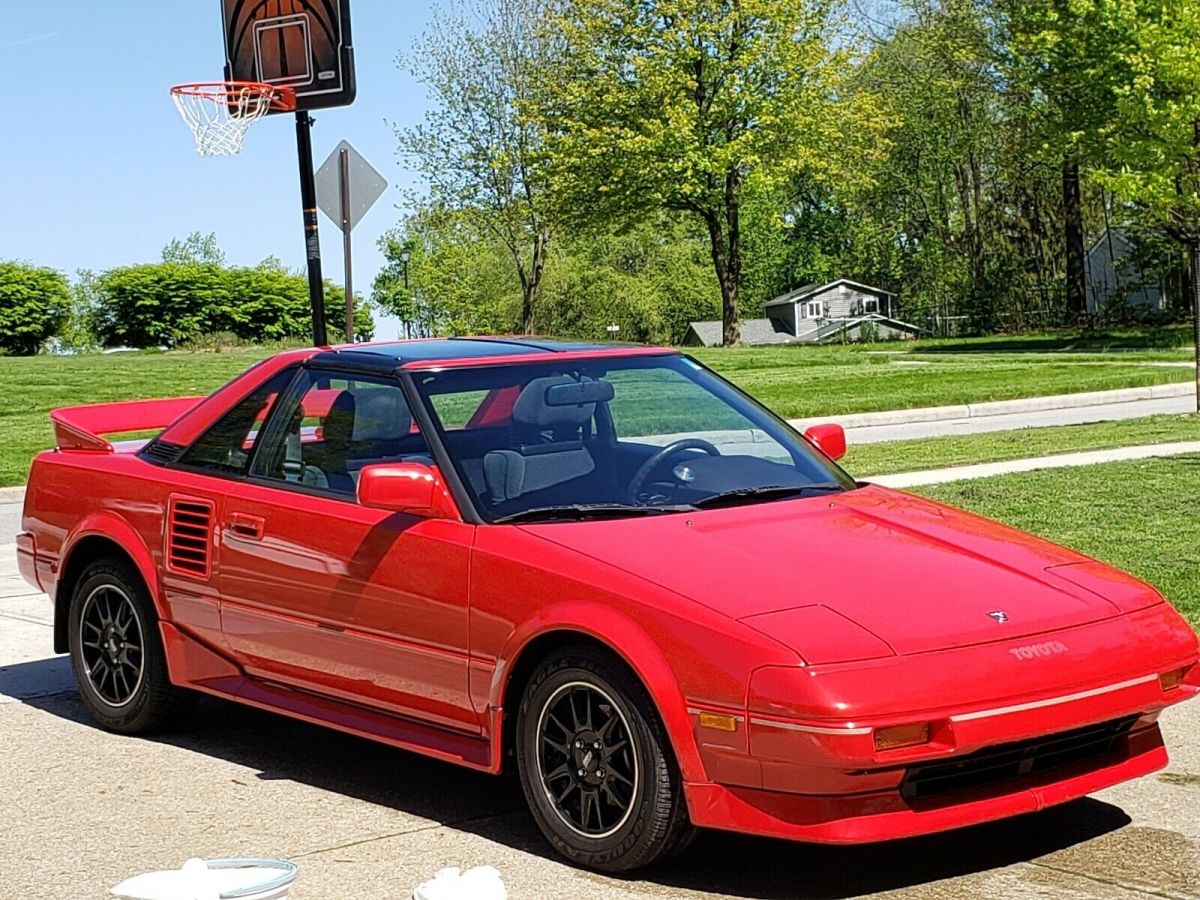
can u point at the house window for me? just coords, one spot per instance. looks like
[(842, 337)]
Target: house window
[(870, 304), (815, 309)]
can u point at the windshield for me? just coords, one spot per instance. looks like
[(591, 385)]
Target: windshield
[(610, 437)]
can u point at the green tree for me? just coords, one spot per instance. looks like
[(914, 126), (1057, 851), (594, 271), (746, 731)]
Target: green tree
[(1152, 147), (650, 281), (195, 248), (1061, 56), (34, 305), (477, 149), (964, 216), (679, 104), (459, 277)]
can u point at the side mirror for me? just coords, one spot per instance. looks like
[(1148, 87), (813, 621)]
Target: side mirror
[(829, 439), (411, 488)]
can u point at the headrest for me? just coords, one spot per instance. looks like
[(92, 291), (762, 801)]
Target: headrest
[(540, 406), (368, 414), (381, 414), (339, 421)]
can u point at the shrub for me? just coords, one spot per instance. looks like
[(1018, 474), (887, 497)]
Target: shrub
[(34, 304), (173, 303)]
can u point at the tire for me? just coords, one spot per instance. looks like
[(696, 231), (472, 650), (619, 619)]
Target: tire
[(117, 655), (636, 812)]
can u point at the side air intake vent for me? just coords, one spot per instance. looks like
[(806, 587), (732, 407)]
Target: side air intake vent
[(189, 537), (161, 451)]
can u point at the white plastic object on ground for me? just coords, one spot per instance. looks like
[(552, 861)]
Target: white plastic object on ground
[(480, 883), (213, 879)]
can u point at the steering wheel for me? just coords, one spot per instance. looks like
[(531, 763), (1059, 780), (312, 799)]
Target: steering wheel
[(644, 470)]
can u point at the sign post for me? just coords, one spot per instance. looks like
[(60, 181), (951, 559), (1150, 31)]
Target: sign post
[(347, 186), (344, 182)]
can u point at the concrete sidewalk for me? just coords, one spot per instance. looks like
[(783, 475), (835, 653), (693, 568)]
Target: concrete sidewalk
[(1009, 415), (1057, 461)]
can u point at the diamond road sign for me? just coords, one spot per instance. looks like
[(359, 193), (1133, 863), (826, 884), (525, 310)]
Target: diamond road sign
[(366, 186)]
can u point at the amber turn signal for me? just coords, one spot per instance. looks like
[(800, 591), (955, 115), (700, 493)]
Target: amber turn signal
[(1173, 679), (901, 736), (718, 721)]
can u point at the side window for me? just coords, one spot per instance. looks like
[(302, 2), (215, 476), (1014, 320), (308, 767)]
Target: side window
[(228, 445), (333, 425)]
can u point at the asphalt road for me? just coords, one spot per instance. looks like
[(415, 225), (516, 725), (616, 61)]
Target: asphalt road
[(83, 809), (1107, 412)]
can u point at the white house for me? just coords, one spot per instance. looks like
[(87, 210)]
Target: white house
[(831, 312), (1113, 280)]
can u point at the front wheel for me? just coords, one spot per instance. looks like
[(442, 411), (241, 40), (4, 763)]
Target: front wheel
[(116, 652), (595, 764)]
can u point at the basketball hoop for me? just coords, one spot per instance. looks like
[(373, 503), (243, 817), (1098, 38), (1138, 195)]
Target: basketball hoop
[(221, 112)]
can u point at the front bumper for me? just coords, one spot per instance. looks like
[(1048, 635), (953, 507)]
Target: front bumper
[(790, 766), (886, 815)]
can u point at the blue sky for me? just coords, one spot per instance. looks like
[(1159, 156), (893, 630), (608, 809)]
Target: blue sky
[(98, 170)]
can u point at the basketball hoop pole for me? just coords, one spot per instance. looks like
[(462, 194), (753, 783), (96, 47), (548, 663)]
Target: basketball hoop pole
[(312, 240)]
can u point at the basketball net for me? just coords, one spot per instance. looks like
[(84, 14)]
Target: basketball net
[(220, 113)]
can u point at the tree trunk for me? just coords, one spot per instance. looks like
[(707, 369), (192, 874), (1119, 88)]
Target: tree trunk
[(1073, 236), (1195, 250), (531, 284), (731, 325), (727, 266)]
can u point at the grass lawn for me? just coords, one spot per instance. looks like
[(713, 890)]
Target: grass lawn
[(1069, 340), (815, 381), (30, 386), (865, 460), (795, 381), (1137, 515)]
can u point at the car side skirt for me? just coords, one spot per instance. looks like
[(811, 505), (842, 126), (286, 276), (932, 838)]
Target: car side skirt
[(194, 665)]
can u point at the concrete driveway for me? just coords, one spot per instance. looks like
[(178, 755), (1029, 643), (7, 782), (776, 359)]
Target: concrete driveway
[(81, 809)]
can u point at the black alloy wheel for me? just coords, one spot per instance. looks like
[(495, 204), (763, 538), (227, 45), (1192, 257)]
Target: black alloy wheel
[(595, 764), (117, 653), (586, 761), (112, 642)]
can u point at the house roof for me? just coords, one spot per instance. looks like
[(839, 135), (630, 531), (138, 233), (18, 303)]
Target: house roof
[(802, 293), (754, 331)]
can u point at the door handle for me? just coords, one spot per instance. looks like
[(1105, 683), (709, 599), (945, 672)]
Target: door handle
[(246, 526)]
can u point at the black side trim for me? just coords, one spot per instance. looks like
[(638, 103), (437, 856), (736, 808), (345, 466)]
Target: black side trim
[(161, 452), (357, 361)]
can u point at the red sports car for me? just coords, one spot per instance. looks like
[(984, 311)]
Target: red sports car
[(603, 566)]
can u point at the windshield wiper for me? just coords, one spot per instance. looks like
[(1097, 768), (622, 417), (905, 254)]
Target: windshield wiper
[(767, 492), (580, 511)]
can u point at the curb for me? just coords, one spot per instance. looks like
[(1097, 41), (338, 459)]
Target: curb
[(12, 494), (1002, 407)]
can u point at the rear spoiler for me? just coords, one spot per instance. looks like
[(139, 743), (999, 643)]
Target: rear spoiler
[(82, 427)]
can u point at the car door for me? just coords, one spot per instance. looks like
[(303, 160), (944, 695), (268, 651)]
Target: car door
[(320, 593)]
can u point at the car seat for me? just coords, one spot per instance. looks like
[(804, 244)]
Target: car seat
[(549, 447)]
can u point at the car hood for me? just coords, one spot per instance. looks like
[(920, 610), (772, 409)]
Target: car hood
[(916, 574)]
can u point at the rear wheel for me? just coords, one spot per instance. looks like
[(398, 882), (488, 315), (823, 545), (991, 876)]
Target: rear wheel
[(595, 764), (116, 652)]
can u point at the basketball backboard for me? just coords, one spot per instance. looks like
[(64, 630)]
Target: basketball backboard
[(301, 44)]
